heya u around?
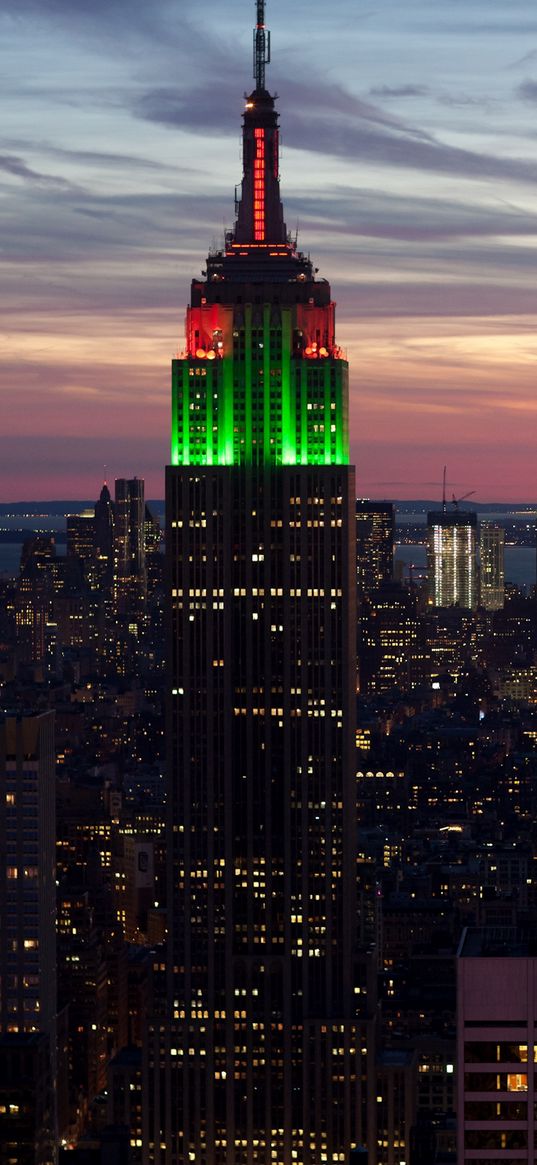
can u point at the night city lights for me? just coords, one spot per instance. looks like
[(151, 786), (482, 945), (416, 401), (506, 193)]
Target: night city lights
[(268, 640)]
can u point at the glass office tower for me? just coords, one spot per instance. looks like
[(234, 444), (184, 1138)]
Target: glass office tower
[(452, 567)]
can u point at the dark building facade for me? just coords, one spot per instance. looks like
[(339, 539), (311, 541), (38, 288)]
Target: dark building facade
[(260, 1057), (27, 1109), (27, 880), (390, 640), (129, 544), (496, 980), (28, 1003), (375, 539)]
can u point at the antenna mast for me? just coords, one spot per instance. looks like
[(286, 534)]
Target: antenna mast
[(261, 46)]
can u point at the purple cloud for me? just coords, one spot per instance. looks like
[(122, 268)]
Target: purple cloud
[(399, 91), (17, 167), (328, 120), (528, 91)]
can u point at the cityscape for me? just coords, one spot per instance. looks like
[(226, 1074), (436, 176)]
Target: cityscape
[(268, 742)]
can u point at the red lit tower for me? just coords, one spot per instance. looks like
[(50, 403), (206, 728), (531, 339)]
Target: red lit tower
[(260, 1048), (262, 380)]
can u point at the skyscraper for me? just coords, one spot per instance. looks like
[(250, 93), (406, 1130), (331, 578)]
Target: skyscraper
[(81, 535), (104, 534), (452, 559), (129, 544), (390, 636), (375, 537), (261, 1050), (492, 566), (33, 599)]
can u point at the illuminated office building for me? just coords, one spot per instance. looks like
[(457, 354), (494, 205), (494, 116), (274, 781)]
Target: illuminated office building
[(261, 1048), (81, 535), (452, 559), (492, 568), (449, 642), (129, 544), (391, 651), (33, 599), (375, 538)]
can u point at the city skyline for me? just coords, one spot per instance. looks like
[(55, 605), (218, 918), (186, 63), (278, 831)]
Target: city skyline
[(270, 788), (423, 122)]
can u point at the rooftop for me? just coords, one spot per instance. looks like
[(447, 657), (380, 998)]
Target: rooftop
[(501, 942)]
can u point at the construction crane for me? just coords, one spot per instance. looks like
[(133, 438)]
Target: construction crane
[(456, 501)]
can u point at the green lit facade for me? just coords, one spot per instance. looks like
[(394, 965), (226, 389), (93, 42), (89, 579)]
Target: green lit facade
[(259, 403)]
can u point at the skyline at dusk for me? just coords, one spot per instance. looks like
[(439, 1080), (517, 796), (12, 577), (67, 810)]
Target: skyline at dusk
[(119, 159)]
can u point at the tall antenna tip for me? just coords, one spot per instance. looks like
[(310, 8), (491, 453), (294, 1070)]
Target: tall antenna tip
[(261, 46)]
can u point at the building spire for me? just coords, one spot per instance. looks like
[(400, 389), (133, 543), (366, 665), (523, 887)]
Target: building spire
[(260, 214), (261, 47)]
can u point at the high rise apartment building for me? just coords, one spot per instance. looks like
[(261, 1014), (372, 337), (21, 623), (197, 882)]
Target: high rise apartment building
[(260, 1057), (492, 566), (452, 567)]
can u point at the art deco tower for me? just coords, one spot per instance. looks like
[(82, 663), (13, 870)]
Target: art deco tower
[(261, 1053)]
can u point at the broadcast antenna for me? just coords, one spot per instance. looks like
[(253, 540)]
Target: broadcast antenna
[(261, 46)]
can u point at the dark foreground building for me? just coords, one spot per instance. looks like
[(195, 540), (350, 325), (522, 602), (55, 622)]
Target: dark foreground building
[(496, 1046), (28, 1004), (259, 1055)]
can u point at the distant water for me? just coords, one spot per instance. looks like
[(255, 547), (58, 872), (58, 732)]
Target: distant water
[(10, 552), (520, 562), (42, 523), (419, 518), (10, 557)]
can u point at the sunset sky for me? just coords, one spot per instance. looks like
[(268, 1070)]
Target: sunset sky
[(409, 164)]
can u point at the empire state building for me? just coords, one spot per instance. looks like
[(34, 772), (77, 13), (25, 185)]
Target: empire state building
[(260, 1052)]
